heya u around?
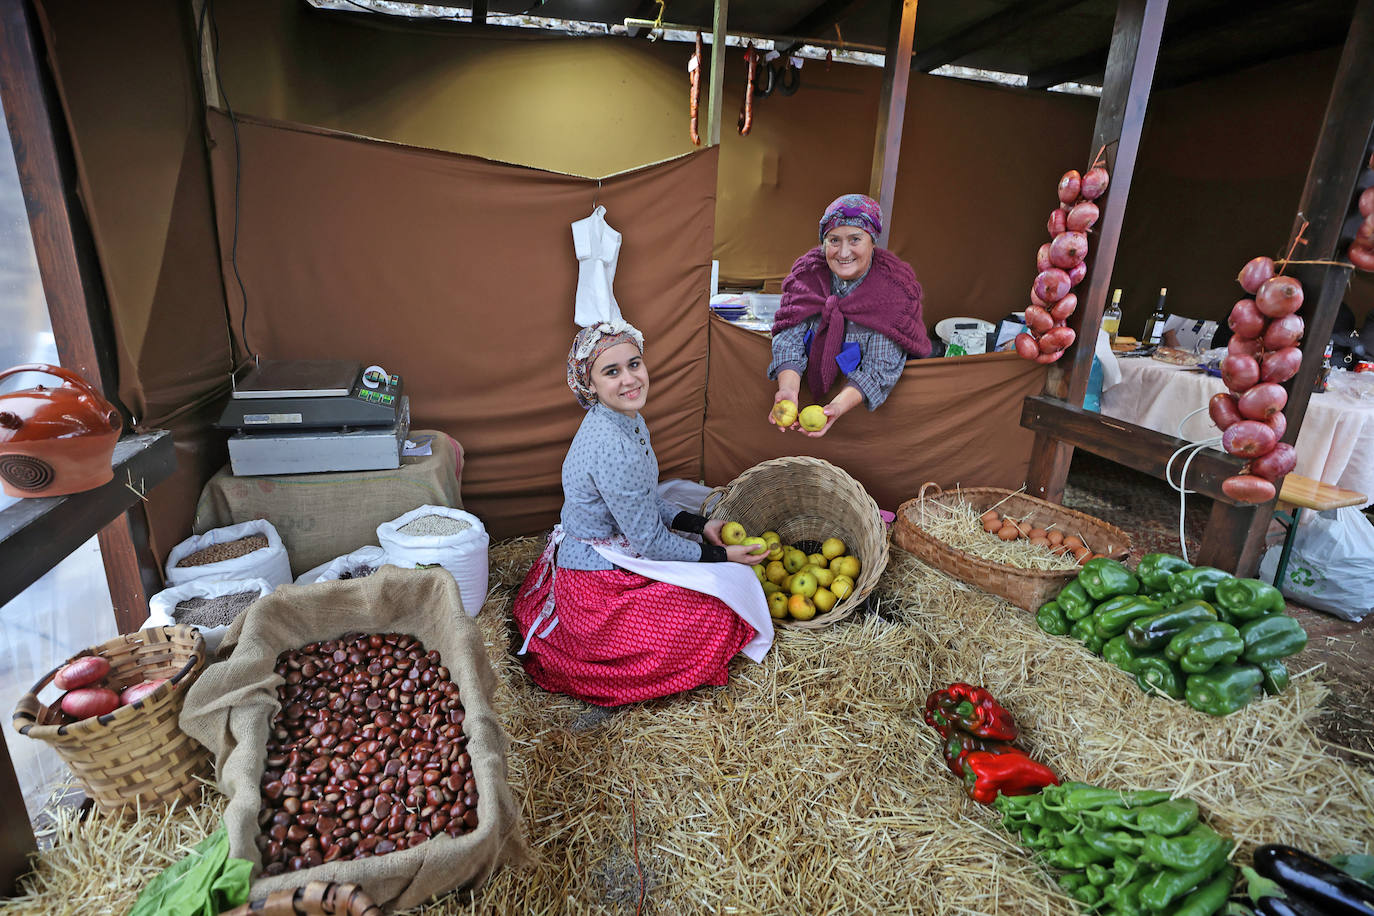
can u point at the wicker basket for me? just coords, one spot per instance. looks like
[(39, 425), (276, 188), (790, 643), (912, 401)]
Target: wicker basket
[(138, 752), (318, 898), (1025, 588), (807, 499)]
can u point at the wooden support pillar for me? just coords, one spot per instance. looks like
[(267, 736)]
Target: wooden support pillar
[(887, 144), (717, 86), (1120, 119)]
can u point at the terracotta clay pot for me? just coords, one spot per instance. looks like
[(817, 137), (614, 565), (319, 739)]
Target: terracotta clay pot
[(55, 441)]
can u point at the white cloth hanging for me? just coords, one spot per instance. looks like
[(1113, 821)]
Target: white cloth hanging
[(597, 246)]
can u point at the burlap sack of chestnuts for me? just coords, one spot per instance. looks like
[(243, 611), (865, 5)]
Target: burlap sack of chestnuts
[(231, 707)]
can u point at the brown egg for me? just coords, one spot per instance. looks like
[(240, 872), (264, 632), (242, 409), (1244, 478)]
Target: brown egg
[(991, 525), (1040, 542), (1037, 533), (1009, 533), (1024, 528), (1082, 555), (1056, 537), (990, 514), (1073, 542)]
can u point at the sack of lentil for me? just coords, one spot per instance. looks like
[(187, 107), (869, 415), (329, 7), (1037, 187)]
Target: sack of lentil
[(451, 538), (251, 550), (209, 605), (356, 565), (236, 708)]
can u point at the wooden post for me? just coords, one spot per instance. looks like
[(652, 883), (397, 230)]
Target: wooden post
[(205, 40), (1120, 118), (887, 144), (717, 87)]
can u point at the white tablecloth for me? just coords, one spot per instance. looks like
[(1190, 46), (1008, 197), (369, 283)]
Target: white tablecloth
[(1335, 445)]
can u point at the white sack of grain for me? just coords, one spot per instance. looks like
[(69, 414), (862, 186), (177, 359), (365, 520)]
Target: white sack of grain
[(162, 607), (451, 538), (365, 560), (269, 562)]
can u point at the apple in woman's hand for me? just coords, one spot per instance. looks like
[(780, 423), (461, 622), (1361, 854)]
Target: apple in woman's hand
[(733, 533)]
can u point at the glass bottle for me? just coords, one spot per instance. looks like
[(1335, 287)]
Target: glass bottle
[(1154, 326), (1111, 318), (1323, 379)]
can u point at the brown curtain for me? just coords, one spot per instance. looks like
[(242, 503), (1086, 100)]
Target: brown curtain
[(459, 274), (948, 420)]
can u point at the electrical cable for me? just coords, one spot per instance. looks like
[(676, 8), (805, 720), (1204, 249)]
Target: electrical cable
[(1194, 448)]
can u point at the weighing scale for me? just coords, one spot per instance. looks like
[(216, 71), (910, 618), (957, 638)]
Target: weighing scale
[(307, 416)]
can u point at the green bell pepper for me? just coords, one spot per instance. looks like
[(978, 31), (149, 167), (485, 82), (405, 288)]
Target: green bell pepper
[(1168, 885), (1210, 897), (1051, 619), (1168, 818), (1187, 851), (1203, 645), (1120, 653), (1105, 578), (1224, 689), (1087, 895), (1111, 617), (1155, 632), (1275, 676), (1275, 636), (1155, 569), (1084, 632), (1098, 876), (1073, 600), (1246, 599), (1199, 582), (1166, 598), (1156, 672)]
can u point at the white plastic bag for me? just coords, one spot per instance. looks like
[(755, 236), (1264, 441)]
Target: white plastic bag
[(162, 606), (1331, 567), (270, 562), (463, 554), (362, 558)]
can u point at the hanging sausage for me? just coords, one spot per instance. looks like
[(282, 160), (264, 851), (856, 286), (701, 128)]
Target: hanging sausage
[(746, 112), (694, 72)]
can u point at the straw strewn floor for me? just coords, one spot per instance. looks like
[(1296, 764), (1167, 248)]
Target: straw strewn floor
[(810, 783)]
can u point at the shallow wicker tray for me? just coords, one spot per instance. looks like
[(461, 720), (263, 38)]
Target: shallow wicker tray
[(808, 499), (1025, 588)]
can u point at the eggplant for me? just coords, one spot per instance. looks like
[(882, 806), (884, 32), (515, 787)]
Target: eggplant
[(1286, 906), (1326, 887)]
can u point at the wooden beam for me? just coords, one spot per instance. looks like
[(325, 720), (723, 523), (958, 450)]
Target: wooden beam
[(1120, 121), (986, 32), (822, 18), (16, 834), (205, 41), (479, 12), (887, 144), (717, 85)]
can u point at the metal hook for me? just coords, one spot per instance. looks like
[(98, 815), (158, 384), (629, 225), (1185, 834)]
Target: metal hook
[(597, 195)]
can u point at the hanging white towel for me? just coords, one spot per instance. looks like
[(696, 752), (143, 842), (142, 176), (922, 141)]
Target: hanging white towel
[(597, 246)]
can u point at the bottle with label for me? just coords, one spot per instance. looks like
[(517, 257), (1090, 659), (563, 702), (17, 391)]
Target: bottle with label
[(1111, 318), (1154, 326), (1323, 379)]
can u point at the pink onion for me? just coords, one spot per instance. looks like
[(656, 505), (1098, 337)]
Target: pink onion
[(1082, 217), (1058, 221), (1248, 439), (1367, 202), (1038, 320), (1064, 308), (1042, 258), (1280, 365), (1051, 285), (1036, 300), (1222, 409), (1279, 424), (1280, 460), (1247, 488), (1026, 347), (1046, 358), (1094, 183), (1068, 250), (1279, 296), (1254, 273), (1244, 346), (1362, 256), (1056, 339), (1079, 271), (1283, 332), (1365, 234), (1246, 319), (1262, 401), (1069, 186), (1239, 372)]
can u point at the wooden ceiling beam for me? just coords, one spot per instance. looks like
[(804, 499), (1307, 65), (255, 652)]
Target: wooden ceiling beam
[(987, 32), (821, 18)]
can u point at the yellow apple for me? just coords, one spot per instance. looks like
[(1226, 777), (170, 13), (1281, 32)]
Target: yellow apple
[(803, 583), (733, 533), (842, 587), (773, 537), (825, 599), (775, 572), (785, 413), (813, 418), (777, 605), (817, 560), (793, 559), (846, 566), (770, 587), (824, 577), (759, 545), (801, 607), (758, 571), (775, 549), (832, 548)]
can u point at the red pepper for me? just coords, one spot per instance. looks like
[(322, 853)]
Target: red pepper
[(959, 745), (969, 709), (1012, 773)]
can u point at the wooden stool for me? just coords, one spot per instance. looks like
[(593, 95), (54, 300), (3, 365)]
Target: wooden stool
[(1300, 493)]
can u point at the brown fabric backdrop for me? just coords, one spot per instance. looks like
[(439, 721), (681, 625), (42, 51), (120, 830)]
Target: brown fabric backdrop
[(948, 420), (459, 274)]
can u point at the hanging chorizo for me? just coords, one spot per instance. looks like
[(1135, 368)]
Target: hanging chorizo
[(694, 69), (746, 113)]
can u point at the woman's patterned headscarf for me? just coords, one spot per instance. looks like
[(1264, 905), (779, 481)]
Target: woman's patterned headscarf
[(590, 343), (853, 210)]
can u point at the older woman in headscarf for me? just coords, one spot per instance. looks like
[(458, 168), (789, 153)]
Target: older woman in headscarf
[(593, 629), (848, 308)]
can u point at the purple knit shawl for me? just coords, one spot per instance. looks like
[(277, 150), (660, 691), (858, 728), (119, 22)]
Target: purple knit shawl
[(887, 301)]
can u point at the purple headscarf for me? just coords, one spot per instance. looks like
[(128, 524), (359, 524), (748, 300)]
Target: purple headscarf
[(853, 210)]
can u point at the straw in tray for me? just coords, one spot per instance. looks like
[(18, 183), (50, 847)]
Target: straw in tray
[(811, 784), (960, 526)]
